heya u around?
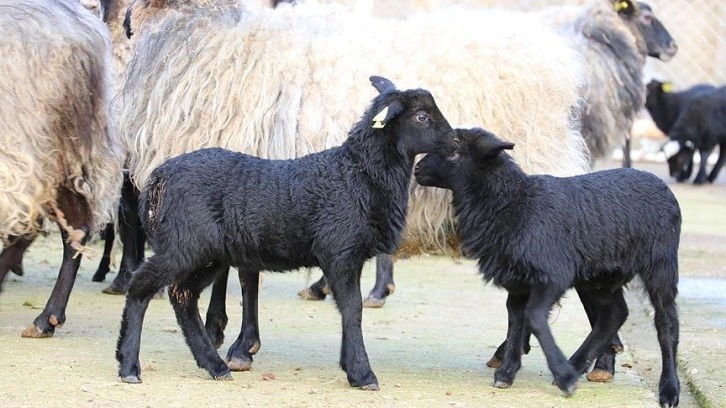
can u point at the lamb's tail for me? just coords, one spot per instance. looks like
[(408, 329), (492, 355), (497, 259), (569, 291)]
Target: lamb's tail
[(150, 202)]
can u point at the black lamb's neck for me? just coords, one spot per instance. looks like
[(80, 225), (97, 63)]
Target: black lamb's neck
[(482, 197), (377, 155)]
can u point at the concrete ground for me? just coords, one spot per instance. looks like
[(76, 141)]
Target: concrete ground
[(428, 345)]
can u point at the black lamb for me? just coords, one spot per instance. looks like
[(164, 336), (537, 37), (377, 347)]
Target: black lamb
[(665, 106), (701, 126), (537, 236), (210, 209)]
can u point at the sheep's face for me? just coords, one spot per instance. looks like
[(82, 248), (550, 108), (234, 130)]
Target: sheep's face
[(680, 159), (412, 118), (657, 40), (476, 149)]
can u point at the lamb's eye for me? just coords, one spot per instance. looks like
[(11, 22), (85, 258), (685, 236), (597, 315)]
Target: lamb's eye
[(646, 18), (422, 117)]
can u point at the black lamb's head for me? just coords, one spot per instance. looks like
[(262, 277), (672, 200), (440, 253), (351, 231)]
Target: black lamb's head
[(410, 118), (476, 150)]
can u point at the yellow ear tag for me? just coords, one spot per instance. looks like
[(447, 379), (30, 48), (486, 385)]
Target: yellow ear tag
[(667, 87), (379, 118), (621, 5)]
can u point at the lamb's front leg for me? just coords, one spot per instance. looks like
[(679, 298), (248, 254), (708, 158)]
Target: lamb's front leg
[(239, 356), (511, 356), (344, 279)]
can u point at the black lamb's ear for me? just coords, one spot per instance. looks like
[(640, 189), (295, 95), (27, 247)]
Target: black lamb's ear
[(488, 145), (625, 8), (386, 114), (382, 84)]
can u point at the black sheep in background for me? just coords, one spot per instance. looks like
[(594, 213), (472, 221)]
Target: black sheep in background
[(701, 126), (665, 106)]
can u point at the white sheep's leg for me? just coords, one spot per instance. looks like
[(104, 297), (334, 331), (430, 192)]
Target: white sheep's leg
[(11, 258), (73, 216), (317, 291), (343, 275), (239, 356), (384, 285), (54, 313), (133, 238), (538, 306)]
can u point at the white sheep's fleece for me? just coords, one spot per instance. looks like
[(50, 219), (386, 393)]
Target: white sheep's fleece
[(56, 129), (286, 82)]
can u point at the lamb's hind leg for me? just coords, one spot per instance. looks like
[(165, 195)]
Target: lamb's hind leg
[(239, 356), (604, 368), (511, 356), (216, 320), (610, 311), (184, 297), (667, 326), (538, 306), (151, 276)]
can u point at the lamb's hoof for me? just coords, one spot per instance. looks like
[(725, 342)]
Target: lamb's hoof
[(99, 276), (131, 379), (373, 302), (34, 332), (502, 384), (224, 377), (114, 289), (569, 390), (238, 364), (307, 294), (17, 269), (494, 362), (618, 348), (370, 387), (598, 375)]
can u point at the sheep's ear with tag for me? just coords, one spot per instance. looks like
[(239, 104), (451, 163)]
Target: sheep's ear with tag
[(386, 114), (625, 8)]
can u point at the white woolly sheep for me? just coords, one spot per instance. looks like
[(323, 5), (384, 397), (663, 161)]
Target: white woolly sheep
[(614, 37), (259, 83), (61, 156)]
